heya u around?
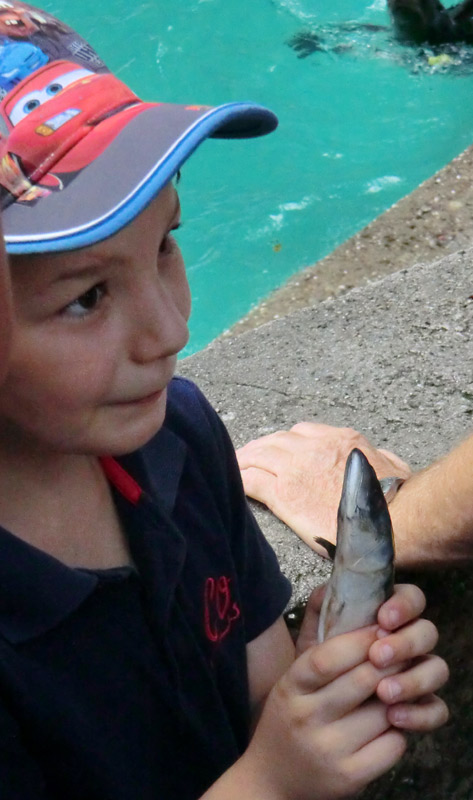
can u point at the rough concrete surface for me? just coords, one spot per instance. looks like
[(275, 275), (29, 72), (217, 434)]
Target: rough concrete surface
[(394, 360)]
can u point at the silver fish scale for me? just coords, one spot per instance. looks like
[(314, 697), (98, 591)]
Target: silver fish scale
[(363, 568)]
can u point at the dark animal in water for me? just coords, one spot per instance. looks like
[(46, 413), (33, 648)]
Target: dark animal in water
[(415, 22), (307, 42), (429, 22)]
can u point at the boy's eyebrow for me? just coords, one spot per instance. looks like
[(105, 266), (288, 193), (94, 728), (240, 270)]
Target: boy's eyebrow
[(87, 271)]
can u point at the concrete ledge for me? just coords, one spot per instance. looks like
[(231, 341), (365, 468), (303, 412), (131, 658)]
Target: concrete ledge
[(393, 359)]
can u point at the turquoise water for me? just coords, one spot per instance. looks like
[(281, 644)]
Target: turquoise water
[(359, 128)]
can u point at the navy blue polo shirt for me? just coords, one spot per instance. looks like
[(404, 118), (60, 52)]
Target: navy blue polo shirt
[(131, 683)]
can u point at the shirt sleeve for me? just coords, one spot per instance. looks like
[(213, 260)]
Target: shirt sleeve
[(264, 590)]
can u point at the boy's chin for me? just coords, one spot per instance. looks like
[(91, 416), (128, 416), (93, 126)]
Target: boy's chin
[(128, 435), (123, 439), (128, 442)]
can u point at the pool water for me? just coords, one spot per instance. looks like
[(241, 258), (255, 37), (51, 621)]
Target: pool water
[(363, 120)]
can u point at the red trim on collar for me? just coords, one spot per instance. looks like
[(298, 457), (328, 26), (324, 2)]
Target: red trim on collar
[(121, 480)]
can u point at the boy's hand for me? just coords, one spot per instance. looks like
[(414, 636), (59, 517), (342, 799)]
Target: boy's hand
[(405, 641), (403, 637), (328, 726), (298, 474), (323, 733)]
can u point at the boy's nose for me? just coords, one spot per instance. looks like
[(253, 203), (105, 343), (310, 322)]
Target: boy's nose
[(159, 329)]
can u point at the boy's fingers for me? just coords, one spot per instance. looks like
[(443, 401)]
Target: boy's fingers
[(375, 758), (333, 679), (348, 692), (322, 663), (358, 728), (413, 640), (426, 715), (407, 603), (308, 631), (425, 677)]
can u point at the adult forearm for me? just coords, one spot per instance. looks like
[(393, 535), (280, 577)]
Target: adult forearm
[(432, 513)]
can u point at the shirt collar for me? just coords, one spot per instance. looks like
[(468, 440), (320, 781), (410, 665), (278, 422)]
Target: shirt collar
[(37, 591), (158, 466)]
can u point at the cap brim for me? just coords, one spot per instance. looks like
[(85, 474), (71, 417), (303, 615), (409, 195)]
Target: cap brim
[(107, 194)]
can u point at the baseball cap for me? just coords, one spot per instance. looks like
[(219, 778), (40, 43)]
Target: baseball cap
[(80, 154)]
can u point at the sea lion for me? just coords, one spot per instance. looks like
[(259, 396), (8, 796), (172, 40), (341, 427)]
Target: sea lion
[(429, 22)]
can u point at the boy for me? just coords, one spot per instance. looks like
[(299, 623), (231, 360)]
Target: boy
[(141, 634)]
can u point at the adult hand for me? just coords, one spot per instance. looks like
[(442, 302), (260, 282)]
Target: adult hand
[(298, 474)]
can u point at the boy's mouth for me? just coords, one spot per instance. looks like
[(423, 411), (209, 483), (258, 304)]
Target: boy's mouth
[(149, 398)]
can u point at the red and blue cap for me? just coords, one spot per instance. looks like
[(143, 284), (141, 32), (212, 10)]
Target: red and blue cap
[(80, 154)]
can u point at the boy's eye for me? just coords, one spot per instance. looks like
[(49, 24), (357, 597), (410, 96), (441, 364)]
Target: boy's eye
[(168, 242), (87, 302)]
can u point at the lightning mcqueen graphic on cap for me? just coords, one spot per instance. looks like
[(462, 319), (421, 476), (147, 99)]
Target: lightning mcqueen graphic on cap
[(49, 126)]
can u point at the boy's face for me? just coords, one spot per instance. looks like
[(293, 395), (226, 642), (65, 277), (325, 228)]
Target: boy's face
[(95, 339), (5, 310)]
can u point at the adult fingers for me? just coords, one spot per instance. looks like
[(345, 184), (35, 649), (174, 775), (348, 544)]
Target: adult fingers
[(428, 714), (265, 453), (385, 462), (423, 678), (402, 469), (318, 430), (260, 485)]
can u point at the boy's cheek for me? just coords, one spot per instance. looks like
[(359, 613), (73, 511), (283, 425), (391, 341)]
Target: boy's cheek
[(6, 318)]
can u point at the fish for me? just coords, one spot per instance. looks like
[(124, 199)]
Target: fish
[(363, 559)]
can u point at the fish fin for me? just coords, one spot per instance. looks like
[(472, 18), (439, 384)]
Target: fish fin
[(330, 548)]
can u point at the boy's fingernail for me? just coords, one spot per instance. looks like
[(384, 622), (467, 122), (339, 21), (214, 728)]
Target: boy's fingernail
[(398, 716), (394, 690), (385, 654), (381, 633), (393, 618)]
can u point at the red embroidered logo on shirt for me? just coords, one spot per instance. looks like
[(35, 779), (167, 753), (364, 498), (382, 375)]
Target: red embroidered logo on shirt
[(219, 609)]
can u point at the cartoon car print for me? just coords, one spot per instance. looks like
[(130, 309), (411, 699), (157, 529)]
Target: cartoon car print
[(16, 22), (55, 128), (17, 61)]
